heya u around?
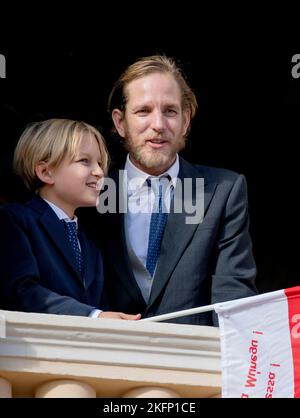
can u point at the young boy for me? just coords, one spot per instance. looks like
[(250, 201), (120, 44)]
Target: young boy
[(45, 266)]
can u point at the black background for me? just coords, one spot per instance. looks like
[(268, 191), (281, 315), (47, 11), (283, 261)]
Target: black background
[(237, 61)]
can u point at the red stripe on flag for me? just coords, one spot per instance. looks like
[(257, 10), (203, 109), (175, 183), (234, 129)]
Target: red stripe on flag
[(293, 297)]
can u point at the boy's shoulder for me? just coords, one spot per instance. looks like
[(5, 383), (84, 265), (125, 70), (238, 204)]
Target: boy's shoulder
[(17, 208), (23, 210)]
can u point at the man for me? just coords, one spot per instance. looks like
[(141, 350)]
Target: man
[(160, 263)]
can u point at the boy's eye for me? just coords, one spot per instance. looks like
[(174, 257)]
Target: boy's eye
[(83, 160)]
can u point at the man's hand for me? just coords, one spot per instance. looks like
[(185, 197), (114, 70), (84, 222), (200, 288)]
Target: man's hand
[(119, 315)]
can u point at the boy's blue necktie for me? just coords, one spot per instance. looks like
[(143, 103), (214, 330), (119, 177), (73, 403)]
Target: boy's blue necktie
[(158, 221), (71, 229)]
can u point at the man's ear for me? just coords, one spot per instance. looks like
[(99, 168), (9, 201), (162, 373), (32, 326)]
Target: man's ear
[(118, 118), (44, 173), (186, 121)]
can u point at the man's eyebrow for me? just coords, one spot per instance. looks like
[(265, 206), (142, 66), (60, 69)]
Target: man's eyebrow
[(172, 105), (149, 105)]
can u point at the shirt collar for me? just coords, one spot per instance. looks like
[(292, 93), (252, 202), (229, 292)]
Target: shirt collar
[(135, 173), (60, 213)]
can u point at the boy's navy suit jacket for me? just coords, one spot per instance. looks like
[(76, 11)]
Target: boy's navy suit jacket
[(38, 270)]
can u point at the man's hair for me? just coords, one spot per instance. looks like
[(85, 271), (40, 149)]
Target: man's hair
[(51, 141), (149, 65)]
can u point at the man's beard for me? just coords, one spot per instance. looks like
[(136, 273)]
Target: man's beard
[(152, 158)]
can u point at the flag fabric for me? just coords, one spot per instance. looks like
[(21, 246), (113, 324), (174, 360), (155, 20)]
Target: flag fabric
[(260, 345)]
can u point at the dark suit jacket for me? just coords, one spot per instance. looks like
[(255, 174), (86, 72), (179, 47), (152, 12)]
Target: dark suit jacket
[(199, 264), (38, 270)]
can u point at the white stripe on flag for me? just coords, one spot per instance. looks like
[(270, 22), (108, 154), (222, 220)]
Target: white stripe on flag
[(257, 358)]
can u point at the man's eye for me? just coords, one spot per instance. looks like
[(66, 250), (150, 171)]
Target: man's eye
[(171, 112), (143, 111)]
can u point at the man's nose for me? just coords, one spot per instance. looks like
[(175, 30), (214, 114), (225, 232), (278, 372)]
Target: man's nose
[(158, 121)]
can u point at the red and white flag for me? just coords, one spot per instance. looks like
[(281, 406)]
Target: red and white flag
[(260, 345)]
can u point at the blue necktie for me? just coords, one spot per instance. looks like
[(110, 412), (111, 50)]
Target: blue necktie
[(158, 222), (71, 228)]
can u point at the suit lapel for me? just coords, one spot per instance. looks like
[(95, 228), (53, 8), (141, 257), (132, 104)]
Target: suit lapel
[(178, 233)]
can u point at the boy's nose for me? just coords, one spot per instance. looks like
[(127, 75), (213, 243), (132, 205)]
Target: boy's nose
[(97, 171)]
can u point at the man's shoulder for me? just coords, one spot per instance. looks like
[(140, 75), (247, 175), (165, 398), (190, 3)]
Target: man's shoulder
[(218, 172), (209, 173)]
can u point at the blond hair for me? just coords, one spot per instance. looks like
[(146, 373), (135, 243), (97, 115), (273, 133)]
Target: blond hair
[(149, 65), (51, 141)]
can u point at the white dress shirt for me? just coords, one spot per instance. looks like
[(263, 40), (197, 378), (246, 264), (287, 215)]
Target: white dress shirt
[(138, 217), (60, 213)]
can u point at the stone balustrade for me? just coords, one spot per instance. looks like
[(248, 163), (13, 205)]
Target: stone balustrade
[(66, 356)]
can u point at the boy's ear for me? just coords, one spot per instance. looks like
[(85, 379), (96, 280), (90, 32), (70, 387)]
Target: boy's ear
[(44, 173), (118, 118)]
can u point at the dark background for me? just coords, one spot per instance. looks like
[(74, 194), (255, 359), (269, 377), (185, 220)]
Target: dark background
[(249, 104)]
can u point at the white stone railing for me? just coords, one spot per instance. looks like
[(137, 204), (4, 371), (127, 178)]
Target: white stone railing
[(67, 356)]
